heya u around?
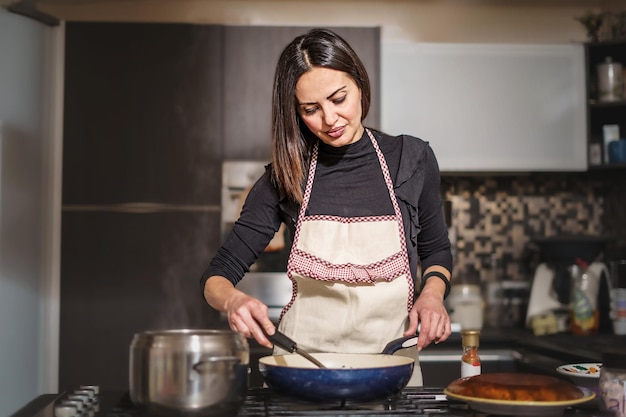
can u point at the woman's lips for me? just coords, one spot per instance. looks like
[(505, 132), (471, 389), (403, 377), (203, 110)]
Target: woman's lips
[(336, 133)]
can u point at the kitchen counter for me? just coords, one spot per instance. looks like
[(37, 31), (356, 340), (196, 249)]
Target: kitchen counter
[(571, 348), (578, 348), (514, 350)]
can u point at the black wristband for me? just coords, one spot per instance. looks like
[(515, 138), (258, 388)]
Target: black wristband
[(438, 275)]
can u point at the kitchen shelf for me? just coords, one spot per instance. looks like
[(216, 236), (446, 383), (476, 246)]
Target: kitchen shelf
[(603, 104), (603, 113), (607, 166)]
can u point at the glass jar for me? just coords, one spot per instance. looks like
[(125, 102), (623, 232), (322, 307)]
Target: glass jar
[(613, 382), (465, 306)]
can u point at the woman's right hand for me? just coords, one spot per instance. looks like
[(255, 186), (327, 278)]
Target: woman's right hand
[(246, 315), (249, 316)]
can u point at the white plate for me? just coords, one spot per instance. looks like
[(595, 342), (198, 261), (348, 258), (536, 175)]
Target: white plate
[(583, 370), (521, 408)]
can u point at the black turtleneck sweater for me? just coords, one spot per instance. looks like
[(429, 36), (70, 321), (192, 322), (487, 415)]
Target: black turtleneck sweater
[(349, 183)]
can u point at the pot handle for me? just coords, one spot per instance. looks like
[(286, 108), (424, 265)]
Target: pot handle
[(213, 359), (400, 343)]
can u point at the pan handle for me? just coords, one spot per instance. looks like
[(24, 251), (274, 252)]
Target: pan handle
[(400, 343)]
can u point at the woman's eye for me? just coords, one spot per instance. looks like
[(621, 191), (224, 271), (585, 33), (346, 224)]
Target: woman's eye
[(339, 100), (310, 110)]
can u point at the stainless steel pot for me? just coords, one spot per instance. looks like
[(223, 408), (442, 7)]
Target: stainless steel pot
[(189, 371)]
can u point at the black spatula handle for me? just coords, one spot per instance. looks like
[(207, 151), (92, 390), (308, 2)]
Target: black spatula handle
[(283, 341)]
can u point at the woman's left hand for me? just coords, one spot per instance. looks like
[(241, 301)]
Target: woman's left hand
[(432, 316)]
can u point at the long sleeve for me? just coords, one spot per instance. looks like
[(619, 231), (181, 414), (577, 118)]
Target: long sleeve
[(258, 222)]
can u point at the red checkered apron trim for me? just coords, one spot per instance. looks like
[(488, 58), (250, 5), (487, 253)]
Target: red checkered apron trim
[(305, 264), (346, 220), (313, 267)]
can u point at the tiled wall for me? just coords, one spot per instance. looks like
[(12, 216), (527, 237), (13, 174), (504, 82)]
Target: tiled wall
[(500, 215), (615, 212)]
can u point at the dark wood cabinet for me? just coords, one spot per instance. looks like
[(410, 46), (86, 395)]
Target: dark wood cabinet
[(142, 159), (601, 113), (143, 113)]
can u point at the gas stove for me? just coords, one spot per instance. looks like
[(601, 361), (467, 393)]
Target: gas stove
[(263, 402), (411, 401)]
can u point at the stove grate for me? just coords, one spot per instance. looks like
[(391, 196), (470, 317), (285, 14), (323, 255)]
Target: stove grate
[(411, 401)]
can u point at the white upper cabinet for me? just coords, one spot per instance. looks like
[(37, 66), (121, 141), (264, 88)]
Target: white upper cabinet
[(489, 107)]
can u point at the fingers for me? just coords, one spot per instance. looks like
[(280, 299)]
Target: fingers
[(263, 326), (249, 316), (433, 328), (434, 322)]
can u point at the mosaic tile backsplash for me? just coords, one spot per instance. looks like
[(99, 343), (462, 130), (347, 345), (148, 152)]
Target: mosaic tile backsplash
[(496, 217)]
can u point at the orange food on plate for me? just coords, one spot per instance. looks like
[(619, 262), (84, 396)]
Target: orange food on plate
[(516, 387)]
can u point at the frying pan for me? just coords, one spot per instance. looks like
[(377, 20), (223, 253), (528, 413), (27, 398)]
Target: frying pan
[(348, 377)]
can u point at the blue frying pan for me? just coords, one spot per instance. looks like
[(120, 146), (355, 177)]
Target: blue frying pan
[(345, 377)]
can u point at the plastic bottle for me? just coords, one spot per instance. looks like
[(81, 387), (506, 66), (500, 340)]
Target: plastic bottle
[(470, 361), (584, 315)]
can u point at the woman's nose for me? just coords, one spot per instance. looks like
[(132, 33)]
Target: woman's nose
[(330, 117)]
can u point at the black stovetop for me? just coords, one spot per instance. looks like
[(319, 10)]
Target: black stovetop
[(263, 402), (411, 401)]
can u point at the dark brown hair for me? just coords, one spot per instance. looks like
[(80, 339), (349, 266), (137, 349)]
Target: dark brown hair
[(292, 141)]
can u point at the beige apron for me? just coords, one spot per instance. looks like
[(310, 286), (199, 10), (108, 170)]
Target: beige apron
[(352, 286)]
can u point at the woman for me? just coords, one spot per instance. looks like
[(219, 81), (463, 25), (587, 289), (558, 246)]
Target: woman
[(363, 208)]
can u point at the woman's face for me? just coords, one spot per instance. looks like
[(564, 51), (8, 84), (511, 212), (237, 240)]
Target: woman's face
[(329, 103)]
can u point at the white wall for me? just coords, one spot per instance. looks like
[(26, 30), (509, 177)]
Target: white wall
[(25, 275)]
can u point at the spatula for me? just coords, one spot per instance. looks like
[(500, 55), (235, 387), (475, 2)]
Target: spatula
[(289, 345)]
